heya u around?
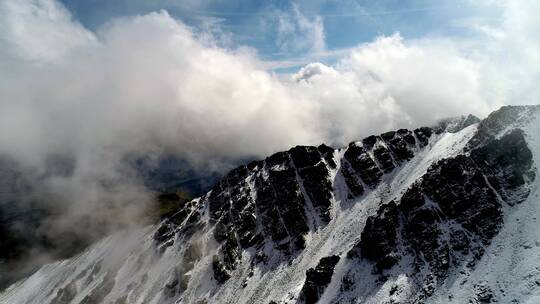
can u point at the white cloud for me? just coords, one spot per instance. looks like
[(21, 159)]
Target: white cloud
[(39, 30), (139, 85), (511, 59), (296, 32)]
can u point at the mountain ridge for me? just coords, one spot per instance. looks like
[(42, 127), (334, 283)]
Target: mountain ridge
[(368, 223)]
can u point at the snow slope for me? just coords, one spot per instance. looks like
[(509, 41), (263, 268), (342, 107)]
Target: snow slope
[(510, 267)]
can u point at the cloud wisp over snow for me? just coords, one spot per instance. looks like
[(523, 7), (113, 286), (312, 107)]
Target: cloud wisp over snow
[(151, 85)]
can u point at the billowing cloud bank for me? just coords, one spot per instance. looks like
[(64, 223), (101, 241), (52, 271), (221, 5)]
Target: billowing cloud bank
[(152, 85), (148, 82)]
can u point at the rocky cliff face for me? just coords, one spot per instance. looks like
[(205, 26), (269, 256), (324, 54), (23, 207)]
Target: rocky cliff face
[(271, 205), (400, 217)]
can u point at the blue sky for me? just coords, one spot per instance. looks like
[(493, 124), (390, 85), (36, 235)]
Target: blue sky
[(259, 24)]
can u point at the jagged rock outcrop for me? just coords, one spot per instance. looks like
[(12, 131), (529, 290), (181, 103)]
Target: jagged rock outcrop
[(317, 279), (271, 200), (450, 215), (379, 238)]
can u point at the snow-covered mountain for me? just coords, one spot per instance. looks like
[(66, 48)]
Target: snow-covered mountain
[(435, 215)]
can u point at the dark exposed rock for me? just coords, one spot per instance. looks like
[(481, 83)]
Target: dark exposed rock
[(192, 224), (354, 185), (347, 283), (220, 272), (509, 163), (379, 237), (388, 135), (459, 241), (389, 150), (268, 211), (402, 132), (315, 179), (383, 157), (186, 221), (369, 141), (231, 187), (412, 199), (261, 257), (363, 164), (163, 233), (457, 193), (409, 139), (247, 228), (231, 252), (328, 154), (499, 120), (423, 134), (451, 212), (483, 294), (423, 231), (221, 230), (180, 216), (317, 279), (318, 187), (379, 234), (277, 159), (256, 164), (461, 191), (281, 203), (400, 144), (305, 156), (468, 121), (217, 200)]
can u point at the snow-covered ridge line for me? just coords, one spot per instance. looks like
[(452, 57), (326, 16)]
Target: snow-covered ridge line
[(256, 234)]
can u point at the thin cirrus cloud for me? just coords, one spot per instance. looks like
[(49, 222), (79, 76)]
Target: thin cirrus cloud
[(297, 32)]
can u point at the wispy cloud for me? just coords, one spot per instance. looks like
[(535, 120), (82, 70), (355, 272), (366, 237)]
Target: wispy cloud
[(356, 13), (296, 32)]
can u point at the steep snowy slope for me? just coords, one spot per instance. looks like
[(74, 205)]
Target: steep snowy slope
[(438, 215), (509, 270)]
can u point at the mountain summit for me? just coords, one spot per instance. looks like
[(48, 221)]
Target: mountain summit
[(433, 215)]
